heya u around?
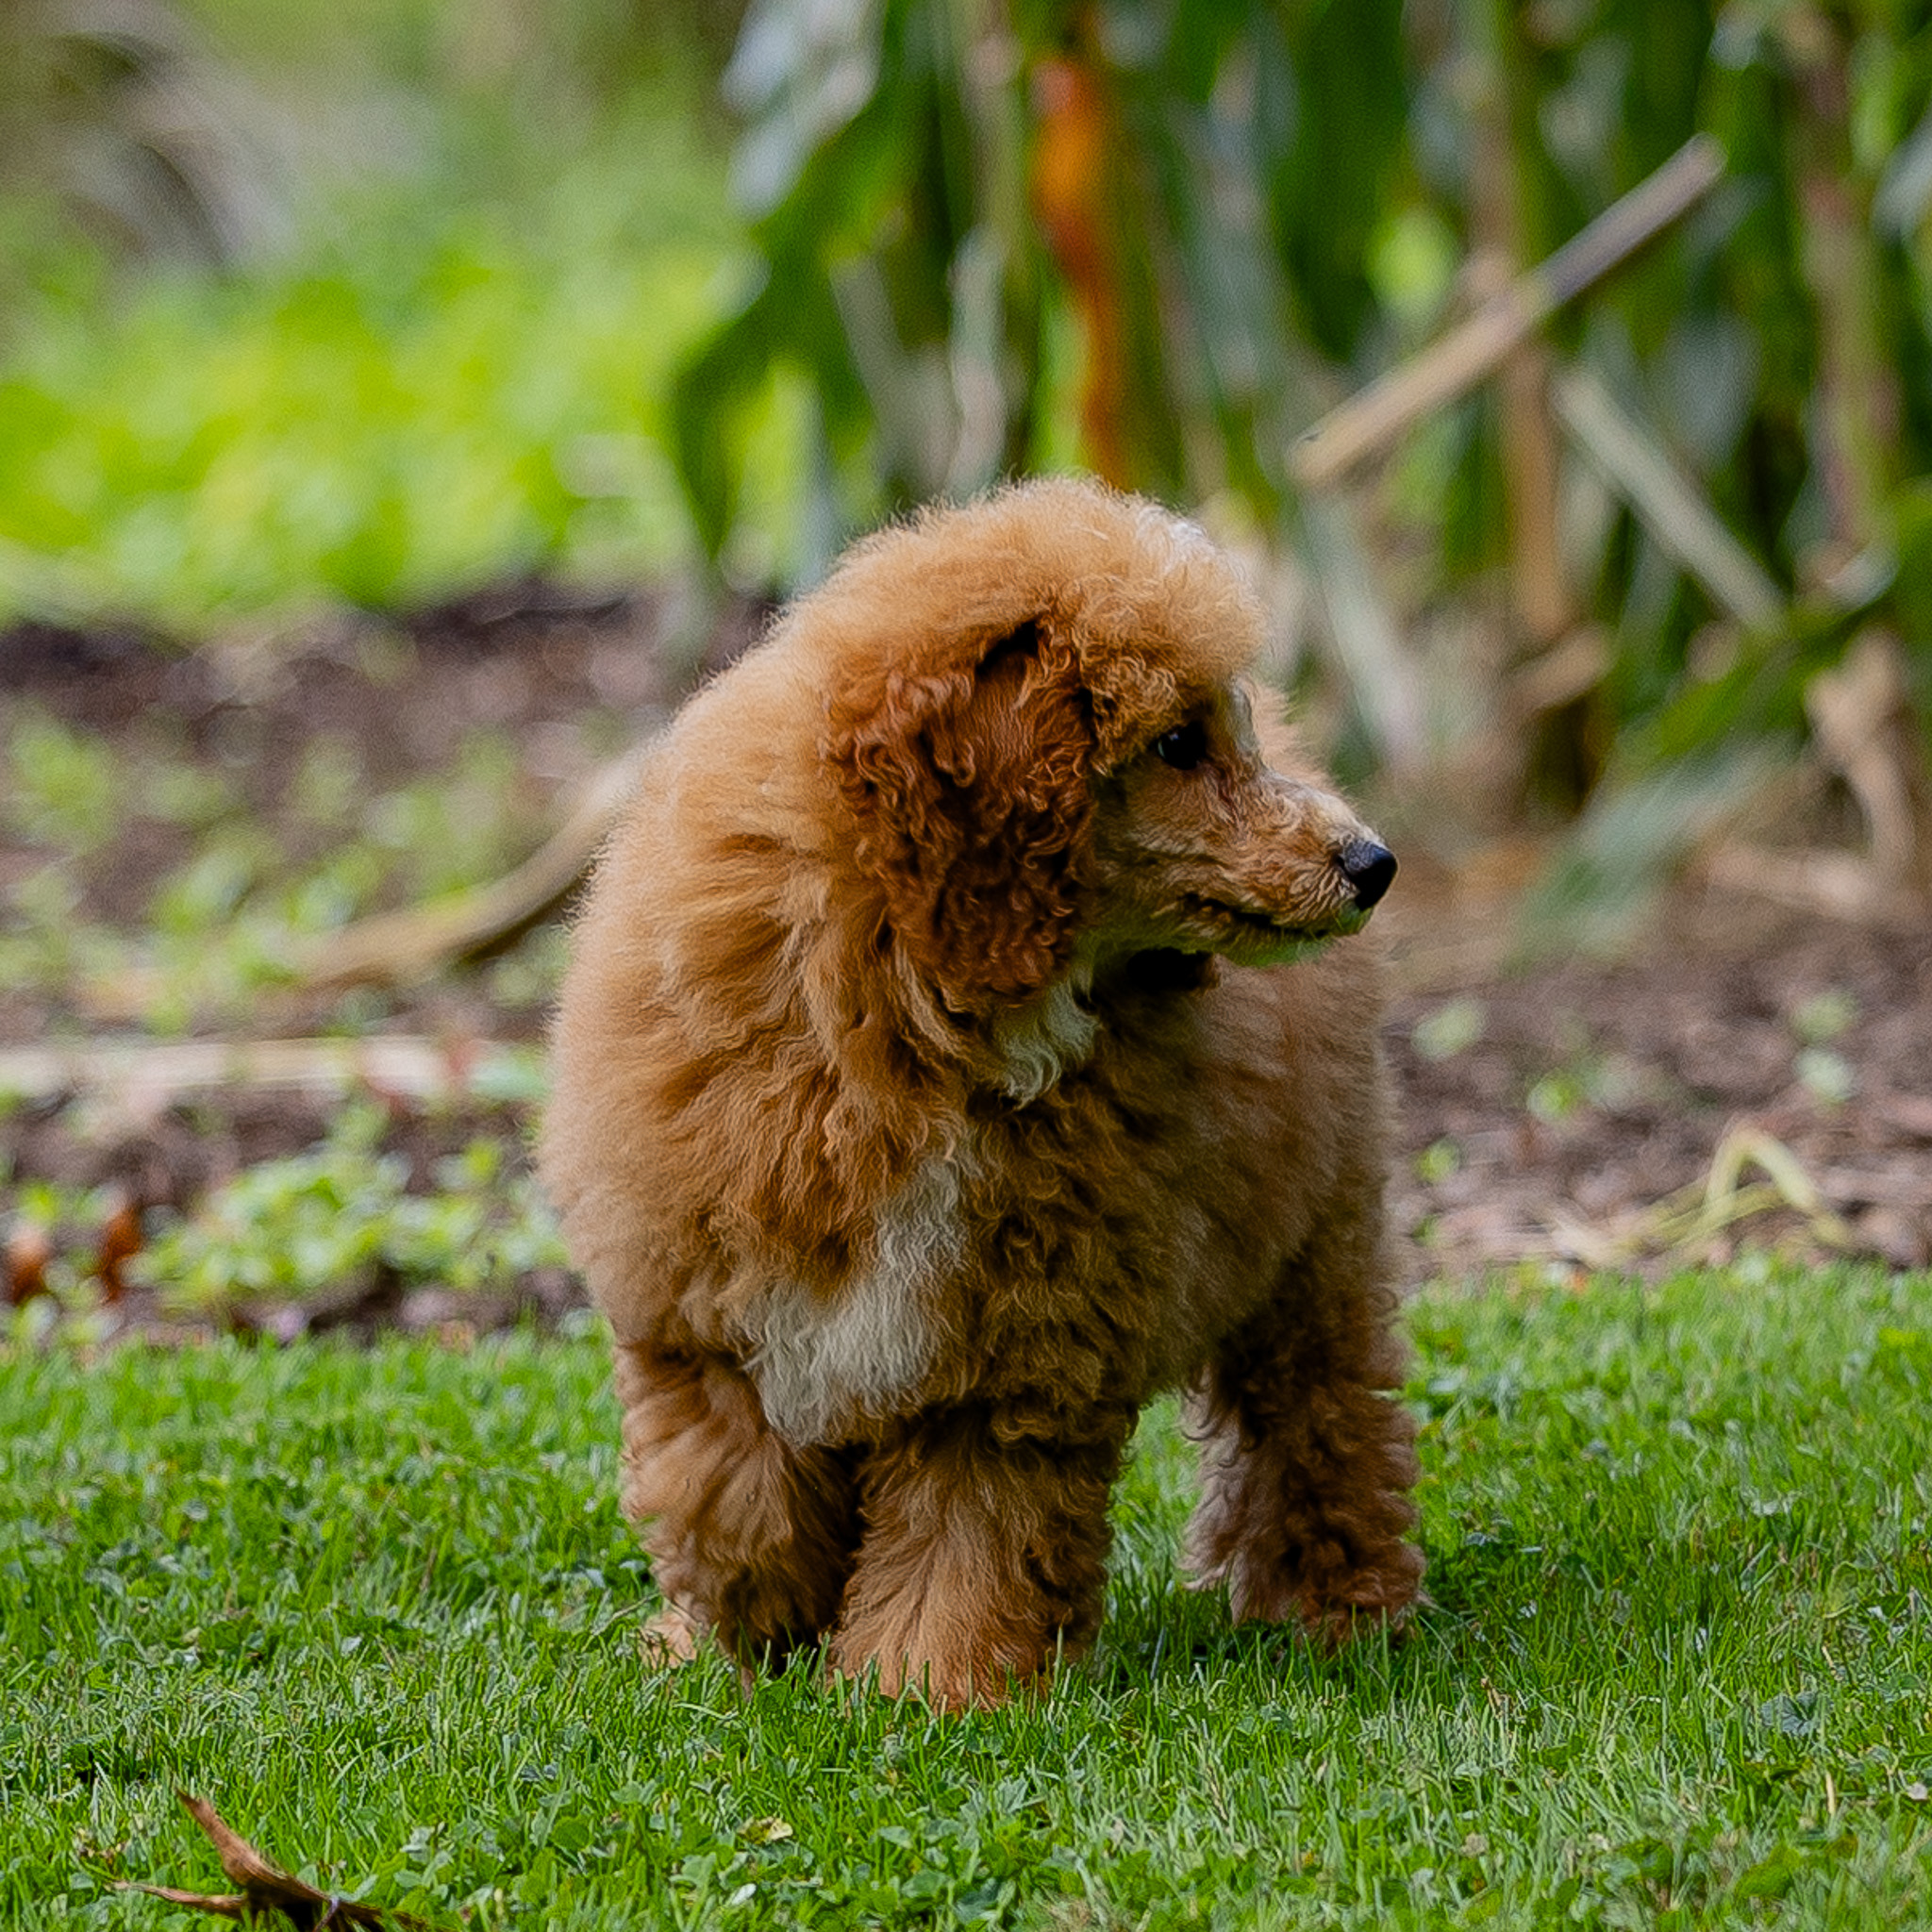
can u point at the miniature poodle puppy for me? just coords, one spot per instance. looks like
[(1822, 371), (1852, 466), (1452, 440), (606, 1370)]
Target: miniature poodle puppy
[(956, 1053)]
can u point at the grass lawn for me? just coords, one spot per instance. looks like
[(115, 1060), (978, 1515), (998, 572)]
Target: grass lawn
[(379, 1609)]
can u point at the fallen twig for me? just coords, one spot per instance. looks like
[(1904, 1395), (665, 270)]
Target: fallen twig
[(1837, 885), (397, 947), (1667, 503), (265, 1887), (1473, 350), (143, 1080)]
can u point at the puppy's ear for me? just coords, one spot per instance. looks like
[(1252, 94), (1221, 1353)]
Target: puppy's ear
[(969, 788)]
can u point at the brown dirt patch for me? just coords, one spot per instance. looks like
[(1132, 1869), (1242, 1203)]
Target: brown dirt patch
[(1545, 1114), (1593, 1093)]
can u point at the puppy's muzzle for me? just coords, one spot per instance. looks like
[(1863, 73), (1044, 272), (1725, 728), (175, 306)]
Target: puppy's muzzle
[(1368, 868)]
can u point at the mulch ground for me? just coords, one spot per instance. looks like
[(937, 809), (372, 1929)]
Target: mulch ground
[(1595, 1093), (1746, 1078)]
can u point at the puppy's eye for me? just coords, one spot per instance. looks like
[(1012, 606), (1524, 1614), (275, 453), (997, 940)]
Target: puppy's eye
[(1184, 747)]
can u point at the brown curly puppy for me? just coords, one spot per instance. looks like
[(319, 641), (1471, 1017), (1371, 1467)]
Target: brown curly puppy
[(950, 1061)]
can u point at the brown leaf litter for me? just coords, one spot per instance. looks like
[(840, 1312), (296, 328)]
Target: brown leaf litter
[(266, 1888)]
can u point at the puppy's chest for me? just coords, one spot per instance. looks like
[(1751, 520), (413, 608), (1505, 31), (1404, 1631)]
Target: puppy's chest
[(1109, 1237), (1086, 1249)]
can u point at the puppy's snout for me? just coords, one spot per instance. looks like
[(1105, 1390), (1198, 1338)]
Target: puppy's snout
[(1368, 868)]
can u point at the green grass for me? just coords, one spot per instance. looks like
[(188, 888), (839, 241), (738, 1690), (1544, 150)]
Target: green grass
[(379, 1607)]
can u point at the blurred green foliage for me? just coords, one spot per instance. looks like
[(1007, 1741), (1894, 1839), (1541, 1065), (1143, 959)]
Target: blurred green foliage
[(1237, 212), (480, 238), (495, 312), (1292, 188), (396, 418)]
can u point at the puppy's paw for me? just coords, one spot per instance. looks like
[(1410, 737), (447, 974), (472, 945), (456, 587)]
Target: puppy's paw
[(671, 1638), (1339, 1609), (957, 1675), (1333, 1626)]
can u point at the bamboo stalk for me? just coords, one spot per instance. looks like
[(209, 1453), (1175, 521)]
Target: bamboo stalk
[(1511, 227), (1858, 403), (1473, 350), (1667, 503)]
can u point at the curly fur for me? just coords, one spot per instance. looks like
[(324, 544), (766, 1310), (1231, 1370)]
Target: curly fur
[(944, 1068)]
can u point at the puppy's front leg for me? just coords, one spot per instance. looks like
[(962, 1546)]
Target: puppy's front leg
[(748, 1537), (1306, 1463), (984, 1555)]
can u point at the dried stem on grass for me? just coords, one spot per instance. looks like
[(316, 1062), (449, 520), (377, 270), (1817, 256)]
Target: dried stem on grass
[(266, 1888), (1681, 1226)]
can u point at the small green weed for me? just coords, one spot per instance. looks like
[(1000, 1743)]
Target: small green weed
[(233, 893), (333, 1219), (63, 787), (1822, 1070), (1451, 1029)]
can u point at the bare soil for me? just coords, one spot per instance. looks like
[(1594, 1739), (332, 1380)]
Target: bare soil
[(1745, 1078), (1596, 1092)]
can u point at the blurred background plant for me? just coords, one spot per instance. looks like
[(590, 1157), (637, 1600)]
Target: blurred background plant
[(110, 114), (433, 356), (1624, 578), (434, 295), (401, 400)]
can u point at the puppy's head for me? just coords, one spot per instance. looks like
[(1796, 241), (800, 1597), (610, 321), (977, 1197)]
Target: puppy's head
[(1035, 719), (1200, 846)]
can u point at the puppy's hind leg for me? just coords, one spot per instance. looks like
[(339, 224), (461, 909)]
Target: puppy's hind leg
[(749, 1538), (1306, 1463)]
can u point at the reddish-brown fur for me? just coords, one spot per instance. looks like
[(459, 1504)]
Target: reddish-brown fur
[(911, 1134)]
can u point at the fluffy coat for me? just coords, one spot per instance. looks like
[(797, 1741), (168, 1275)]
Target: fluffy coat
[(952, 1057)]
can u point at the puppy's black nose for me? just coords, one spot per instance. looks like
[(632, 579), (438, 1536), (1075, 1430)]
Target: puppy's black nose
[(1368, 868)]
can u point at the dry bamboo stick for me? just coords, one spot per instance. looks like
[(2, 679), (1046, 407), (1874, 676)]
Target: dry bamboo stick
[(1369, 422), (1668, 504)]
